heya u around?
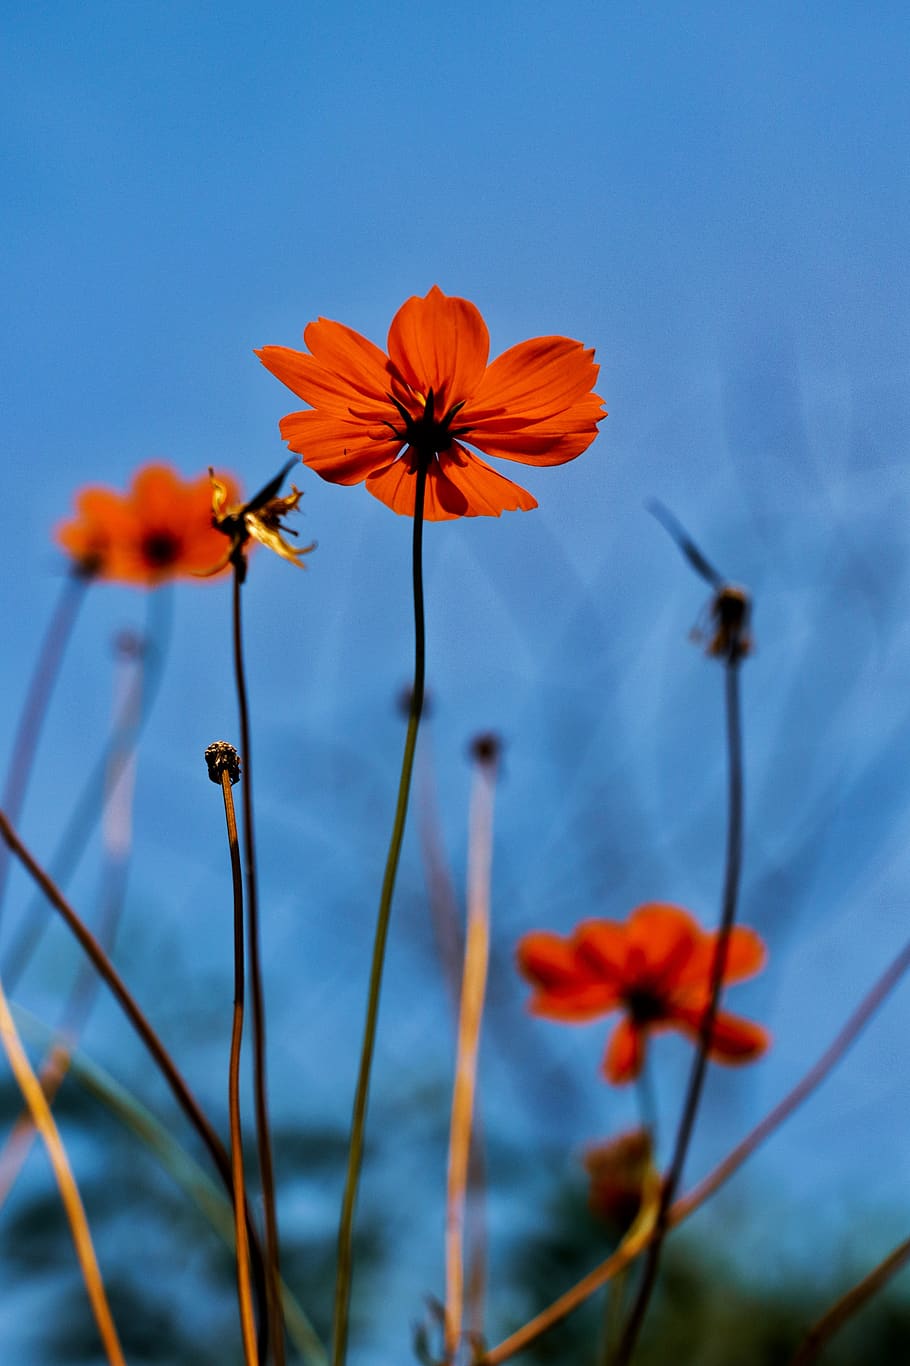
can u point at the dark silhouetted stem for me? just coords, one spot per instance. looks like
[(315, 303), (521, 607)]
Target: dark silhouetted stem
[(697, 1076), (361, 1095), (260, 1091)]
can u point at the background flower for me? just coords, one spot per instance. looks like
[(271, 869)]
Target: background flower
[(160, 529), (656, 968)]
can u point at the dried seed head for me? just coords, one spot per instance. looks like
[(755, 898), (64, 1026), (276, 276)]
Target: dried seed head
[(222, 757), (486, 747)]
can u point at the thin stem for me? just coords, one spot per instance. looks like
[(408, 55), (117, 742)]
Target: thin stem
[(263, 1129), (47, 669), (162, 1058), (647, 1104), (361, 1095), (244, 1296), (718, 966), (117, 843), (850, 1303), (192, 1179), (473, 988), (115, 756), (69, 1191), (687, 1204)]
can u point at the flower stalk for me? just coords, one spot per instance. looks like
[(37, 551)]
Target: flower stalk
[(224, 769), (47, 669), (257, 994), (473, 990), (361, 1094)]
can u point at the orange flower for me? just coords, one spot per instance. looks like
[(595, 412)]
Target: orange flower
[(656, 968), (160, 529), (377, 417)]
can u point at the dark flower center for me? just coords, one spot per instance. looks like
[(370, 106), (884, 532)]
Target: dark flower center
[(160, 549), (427, 433), (644, 1005)]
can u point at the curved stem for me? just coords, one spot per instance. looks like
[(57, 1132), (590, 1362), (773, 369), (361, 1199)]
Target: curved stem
[(162, 1058), (850, 1303), (114, 758), (257, 996), (118, 801), (699, 1067), (47, 669), (69, 1191), (361, 1095), (244, 1297)]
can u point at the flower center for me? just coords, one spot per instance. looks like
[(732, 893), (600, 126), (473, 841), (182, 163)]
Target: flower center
[(426, 433), (160, 549), (644, 1005)]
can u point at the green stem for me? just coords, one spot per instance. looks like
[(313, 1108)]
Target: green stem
[(263, 1129), (361, 1095)]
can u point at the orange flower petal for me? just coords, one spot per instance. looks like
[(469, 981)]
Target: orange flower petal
[(565, 990), (340, 450), (746, 955), (625, 1054), (344, 369), (661, 939), (601, 946), (733, 1039), (535, 404), (458, 485), (441, 343)]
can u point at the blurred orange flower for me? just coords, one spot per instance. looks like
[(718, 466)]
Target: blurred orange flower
[(377, 417), (160, 529), (656, 968)]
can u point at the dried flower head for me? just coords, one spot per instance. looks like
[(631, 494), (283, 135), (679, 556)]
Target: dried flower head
[(261, 519)]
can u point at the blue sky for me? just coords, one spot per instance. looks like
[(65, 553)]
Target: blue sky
[(715, 197)]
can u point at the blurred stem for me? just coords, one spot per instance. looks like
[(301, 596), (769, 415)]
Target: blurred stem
[(117, 841), (647, 1105), (244, 1296), (687, 1204), (69, 1192), (473, 989), (361, 1095), (106, 771), (162, 1058), (47, 669), (260, 1092), (175, 1160), (849, 1304), (697, 1076)]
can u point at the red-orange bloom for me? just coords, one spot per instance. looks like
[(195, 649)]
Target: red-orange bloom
[(160, 529), (656, 968), (376, 417)]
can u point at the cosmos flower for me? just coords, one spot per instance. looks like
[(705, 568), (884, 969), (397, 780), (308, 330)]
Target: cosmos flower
[(161, 528), (378, 417), (656, 968)]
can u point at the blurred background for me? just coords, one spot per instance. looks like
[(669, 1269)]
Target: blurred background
[(715, 197)]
